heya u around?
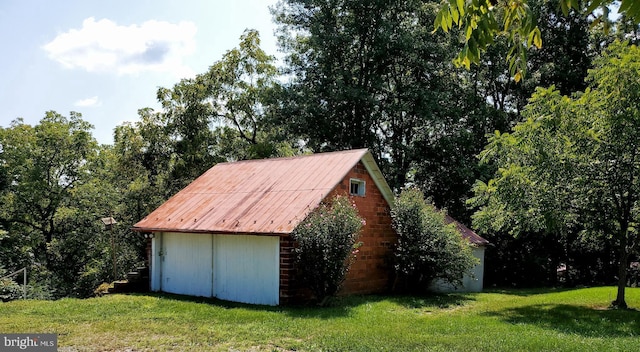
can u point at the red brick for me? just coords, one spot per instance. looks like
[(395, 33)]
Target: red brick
[(370, 272)]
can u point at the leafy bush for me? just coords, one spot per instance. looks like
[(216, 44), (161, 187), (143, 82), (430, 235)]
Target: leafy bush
[(427, 248), (9, 289), (326, 245)]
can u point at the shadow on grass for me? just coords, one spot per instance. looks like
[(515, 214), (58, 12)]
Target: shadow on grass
[(570, 319), (338, 307), (526, 292), (341, 307), (433, 300)]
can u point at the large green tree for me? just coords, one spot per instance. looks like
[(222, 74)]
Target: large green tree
[(238, 92), (369, 74), (54, 194), (223, 114), (43, 164), (372, 74), (574, 163)]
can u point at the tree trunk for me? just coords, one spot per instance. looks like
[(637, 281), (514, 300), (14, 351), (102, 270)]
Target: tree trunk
[(622, 273)]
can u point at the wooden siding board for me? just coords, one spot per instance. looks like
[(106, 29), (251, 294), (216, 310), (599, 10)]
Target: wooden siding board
[(255, 281), (186, 264)]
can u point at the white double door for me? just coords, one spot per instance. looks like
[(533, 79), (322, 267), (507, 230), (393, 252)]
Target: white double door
[(239, 268)]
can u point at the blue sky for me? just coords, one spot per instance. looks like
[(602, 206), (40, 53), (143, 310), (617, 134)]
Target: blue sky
[(105, 59)]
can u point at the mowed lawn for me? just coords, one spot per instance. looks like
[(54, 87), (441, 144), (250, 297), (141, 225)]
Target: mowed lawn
[(513, 320)]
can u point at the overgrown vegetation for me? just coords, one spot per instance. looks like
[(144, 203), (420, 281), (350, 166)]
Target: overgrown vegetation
[(428, 248), (326, 245), (513, 320)]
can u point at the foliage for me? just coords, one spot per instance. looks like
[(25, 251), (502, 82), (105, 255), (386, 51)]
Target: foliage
[(44, 164), (372, 74), (509, 320), (326, 245), (428, 249), (365, 74), (9, 289), (60, 185), (482, 21), (572, 166), (222, 114), (238, 91)]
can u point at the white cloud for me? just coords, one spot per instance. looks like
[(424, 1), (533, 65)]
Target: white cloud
[(89, 102), (104, 46)]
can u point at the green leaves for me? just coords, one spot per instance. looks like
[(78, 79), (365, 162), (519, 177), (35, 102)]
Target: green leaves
[(574, 162), (238, 91), (52, 203), (326, 243), (479, 22), (427, 248)]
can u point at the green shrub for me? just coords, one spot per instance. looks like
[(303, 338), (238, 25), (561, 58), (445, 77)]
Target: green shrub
[(427, 248), (9, 289), (326, 246)]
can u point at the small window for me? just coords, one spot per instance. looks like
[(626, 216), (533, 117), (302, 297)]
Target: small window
[(356, 187)]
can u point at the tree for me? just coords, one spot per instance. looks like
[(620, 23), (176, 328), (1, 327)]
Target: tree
[(428, 249), (326, 245), (371, 74), (224, 114), (141, 162), (574, 163), (240, 92), (488, 99), (482, 21), (44, 165), (55, 194)]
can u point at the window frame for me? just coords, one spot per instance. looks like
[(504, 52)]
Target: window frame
[(361, 187)]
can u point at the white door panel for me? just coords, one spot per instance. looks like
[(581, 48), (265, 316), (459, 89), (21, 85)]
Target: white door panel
[(186, 264), (247, 268)]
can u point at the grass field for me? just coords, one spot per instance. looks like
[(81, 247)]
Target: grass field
[(514, 320)]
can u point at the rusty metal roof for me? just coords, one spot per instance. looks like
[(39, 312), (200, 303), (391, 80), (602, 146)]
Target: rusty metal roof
[(467, 233), (268, 196)]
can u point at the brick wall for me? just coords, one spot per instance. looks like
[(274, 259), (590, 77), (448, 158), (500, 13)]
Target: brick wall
[(371, 272), (288, 293)]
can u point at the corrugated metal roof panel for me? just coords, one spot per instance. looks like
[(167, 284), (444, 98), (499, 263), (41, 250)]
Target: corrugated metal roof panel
[(255, 196)]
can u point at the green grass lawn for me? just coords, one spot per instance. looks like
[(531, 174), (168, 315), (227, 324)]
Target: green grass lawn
[(513, 320)]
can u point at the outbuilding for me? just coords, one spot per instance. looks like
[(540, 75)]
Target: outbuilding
[(228, 234)]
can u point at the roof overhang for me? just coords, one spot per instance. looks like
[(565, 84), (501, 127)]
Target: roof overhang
[(375, 173)]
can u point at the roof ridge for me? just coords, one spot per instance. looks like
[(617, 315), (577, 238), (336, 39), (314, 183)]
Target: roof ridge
[(282, 158)]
